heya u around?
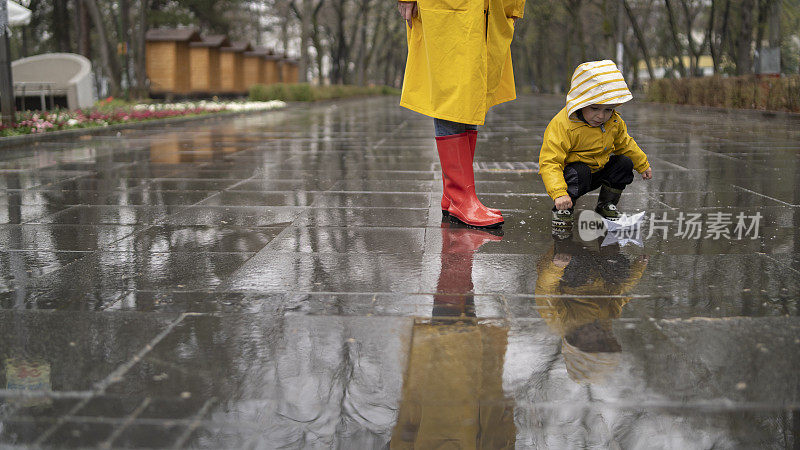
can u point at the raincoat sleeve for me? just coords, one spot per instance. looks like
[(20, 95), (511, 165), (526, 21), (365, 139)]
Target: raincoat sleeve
[(555, 147), (625, 145), (637, 270), (548, 275)]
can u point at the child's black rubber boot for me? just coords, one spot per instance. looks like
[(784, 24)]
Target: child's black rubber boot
[(607, 202)]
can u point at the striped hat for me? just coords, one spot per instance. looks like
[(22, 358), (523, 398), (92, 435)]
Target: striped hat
[(596, 83), (586, 367)]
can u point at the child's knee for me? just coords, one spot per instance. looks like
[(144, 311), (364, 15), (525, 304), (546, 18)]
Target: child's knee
[(578, 177), (626, 163)]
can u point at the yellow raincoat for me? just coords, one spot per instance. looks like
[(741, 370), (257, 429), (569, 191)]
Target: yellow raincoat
[(459, 58), (568, 139)]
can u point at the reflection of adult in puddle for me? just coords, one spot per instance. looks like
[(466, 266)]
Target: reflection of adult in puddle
[(579, 292), (453, 393)]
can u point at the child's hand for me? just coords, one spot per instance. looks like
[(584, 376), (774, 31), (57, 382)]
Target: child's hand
[(561, 260), (647, 174), (408, 10), (564, 202)]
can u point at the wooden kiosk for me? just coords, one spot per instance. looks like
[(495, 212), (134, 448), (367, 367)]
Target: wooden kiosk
[(168, 59), (204, 61), (231, 60)]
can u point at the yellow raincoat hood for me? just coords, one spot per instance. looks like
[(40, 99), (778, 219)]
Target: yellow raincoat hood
[(596, 83)]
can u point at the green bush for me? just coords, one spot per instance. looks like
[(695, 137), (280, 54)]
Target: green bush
[(303, 92), (261, 92), (746, 92)]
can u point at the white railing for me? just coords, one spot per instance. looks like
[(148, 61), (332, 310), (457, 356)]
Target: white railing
[(41, 89)]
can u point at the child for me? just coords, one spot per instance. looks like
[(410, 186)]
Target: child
[(586, 145)]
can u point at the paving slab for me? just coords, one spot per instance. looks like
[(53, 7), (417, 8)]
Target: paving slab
[(287, 280)]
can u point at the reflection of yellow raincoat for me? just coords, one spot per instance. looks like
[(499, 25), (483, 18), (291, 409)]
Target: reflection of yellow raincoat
[(568, 308), (453, 389), (459, 58), (563, 314)]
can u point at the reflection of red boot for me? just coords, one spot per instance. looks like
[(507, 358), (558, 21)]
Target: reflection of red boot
[(459, 182), (473, 140), (454, 290)]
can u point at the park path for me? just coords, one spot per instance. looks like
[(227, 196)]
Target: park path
[(286, 279)]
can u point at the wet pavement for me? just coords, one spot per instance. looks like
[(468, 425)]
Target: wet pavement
[(285, 280)]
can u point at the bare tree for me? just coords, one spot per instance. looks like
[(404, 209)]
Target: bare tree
[(637, 32), (110, 64)]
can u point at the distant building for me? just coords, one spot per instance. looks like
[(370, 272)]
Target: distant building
[(661, 66)]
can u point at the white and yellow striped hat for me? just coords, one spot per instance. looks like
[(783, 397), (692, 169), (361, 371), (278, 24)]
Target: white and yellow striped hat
[(585, 367), (596, 83)]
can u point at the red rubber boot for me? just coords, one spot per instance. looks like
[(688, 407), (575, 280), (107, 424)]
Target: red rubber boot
[(473, 140), (455, 157)]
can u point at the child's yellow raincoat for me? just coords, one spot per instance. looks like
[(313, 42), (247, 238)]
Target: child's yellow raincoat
[(459, 58), (568, 139)]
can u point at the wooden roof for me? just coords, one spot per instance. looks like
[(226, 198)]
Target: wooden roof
[(214, 40), (238, 46), (173, 35)]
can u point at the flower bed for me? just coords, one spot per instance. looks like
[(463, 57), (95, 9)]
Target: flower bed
[(102, 115)]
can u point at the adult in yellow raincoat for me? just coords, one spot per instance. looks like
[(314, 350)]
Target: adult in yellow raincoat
[(459, 66)]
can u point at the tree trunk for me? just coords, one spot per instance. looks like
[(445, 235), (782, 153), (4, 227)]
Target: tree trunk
[(125, 37), (60, 26), (744, 59), (319, 48), (675, 40), (84, 29), (303, 13), (110, 65), (640, 39), (694, 51), (341, 49), (363, 20), (139, 53), (710, 38)]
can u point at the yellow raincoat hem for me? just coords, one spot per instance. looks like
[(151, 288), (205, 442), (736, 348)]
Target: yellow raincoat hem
[(441, 116)]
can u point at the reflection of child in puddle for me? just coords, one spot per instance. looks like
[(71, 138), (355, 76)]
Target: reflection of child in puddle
[(453, 390), (579, 291)]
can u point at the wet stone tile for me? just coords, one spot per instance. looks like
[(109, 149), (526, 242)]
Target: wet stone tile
[(738, 198), (278, 272), (146, 197), (286, 184), (186, 184), (378, 200), (77, 433), (266, 355), (114, 271), (349, 240), (17, 268), (107, 215), (381, 186), (242, 216), (61, 347), (369, 217), (22, 432), (57, 237), (193, 238), (15, 214), (247, 198), (200, 302), (149, 436)]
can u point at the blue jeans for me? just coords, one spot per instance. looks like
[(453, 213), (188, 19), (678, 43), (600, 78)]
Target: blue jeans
[(447, 128)]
